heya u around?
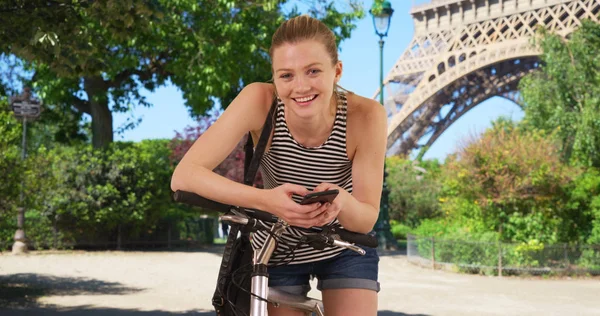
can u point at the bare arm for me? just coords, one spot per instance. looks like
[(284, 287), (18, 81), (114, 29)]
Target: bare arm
[(359, 211), (194, 173)]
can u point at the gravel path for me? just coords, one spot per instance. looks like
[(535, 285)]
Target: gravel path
[(174, 283)]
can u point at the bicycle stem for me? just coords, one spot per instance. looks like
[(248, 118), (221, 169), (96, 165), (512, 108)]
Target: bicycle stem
[(260, 279)]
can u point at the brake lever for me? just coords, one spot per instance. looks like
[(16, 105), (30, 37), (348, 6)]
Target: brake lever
[(238, 219), (350, 246), (243, 219)]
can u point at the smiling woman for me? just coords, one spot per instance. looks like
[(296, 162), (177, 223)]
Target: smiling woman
[(323, 139)]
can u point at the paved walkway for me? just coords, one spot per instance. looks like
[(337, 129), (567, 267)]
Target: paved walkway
[(175, 283)]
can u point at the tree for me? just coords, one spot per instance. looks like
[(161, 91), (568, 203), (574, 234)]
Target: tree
[(233, 165), (513, 179), (414, 189), (95, 57), (11, 165), (564, 96)]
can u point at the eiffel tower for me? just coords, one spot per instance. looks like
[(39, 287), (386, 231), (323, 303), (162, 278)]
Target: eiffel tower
[(464, 52)]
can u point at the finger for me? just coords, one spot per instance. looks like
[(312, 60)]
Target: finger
[(324, 186), (318, 211), (329, 215), (295, 189), (325, 218), (302, 211), (307, 208)]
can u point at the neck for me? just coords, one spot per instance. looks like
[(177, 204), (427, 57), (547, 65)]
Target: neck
[(313, 131)]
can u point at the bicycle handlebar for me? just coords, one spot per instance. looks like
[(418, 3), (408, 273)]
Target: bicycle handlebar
[(197, 200)]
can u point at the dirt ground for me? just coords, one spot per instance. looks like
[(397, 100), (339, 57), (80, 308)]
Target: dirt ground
[(182, 283)]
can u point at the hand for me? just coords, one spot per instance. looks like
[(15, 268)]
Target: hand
[(278, 201), (330, 211)]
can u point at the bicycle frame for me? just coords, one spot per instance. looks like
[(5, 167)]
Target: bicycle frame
[(260, 277), (260, 282)]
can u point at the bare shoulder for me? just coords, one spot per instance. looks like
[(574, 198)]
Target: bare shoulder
[(366, 122), (364, 112), (261, 93), (256, 98)]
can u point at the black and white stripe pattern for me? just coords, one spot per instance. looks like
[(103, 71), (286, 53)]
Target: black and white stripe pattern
[(287, 161)]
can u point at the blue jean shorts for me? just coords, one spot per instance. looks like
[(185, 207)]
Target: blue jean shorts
[(348, 270)]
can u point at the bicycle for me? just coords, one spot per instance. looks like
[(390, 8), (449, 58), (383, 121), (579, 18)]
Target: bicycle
[(260, 293)]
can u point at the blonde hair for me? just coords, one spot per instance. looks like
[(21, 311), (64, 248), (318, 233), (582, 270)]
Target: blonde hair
[(302, 28)]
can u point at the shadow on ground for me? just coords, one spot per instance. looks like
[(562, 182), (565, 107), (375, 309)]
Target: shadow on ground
[(390, 313), (385, 253), (22, 290), (91, 311), (86, 310)]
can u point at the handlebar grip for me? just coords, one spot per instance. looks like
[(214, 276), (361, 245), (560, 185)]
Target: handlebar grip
[(196, 200), (261, 215), (361, 239)]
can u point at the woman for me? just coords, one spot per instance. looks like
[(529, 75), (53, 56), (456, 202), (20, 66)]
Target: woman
[(323, 139)]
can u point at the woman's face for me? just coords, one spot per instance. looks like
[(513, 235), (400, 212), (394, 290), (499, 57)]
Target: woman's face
[(305, 77)]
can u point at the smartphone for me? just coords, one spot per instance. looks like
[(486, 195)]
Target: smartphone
[(322, 197)]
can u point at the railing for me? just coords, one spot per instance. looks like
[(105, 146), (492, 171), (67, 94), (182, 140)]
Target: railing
[(494, 258)]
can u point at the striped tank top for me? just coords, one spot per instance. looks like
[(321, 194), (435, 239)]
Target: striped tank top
[(287, 161)]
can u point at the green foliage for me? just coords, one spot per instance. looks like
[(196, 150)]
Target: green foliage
[(564, 97), (113, 187), (511, 175), (97, 57), (578, 209), (377, 6), (590, 258), (196, 228), (534, 185), (399, 231), (10, 157), (414, 188), (11, 168), (84, 194), (454, 242), (526, 254), (534, 226)]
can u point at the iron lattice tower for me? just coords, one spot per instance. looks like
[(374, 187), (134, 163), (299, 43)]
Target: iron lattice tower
[(464, 52)]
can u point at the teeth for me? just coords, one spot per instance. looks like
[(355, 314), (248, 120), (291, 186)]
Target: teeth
[(305, 99)]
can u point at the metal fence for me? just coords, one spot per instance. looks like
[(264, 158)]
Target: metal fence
[(503, 258), (198, 233), (113, 245)]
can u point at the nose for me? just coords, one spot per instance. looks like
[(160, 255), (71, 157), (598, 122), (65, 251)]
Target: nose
[(302, 84)]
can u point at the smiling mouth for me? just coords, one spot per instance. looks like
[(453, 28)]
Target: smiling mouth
[(305, 99)]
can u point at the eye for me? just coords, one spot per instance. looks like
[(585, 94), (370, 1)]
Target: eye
[(313, 71), (285, 76)]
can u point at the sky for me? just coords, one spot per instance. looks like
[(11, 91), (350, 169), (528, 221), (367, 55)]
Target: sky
[(360, 58)]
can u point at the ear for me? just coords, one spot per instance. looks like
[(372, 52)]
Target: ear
[(338, 71)]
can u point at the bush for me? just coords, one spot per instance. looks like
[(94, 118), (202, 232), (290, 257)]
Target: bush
[(88, 195), (414, 188), (514, 178), (11, 173), (399, 230)]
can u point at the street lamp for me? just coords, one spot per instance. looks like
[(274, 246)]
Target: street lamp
[(381, 22), (25, 108)]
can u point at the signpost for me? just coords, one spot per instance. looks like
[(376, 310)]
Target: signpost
[(26, 109)]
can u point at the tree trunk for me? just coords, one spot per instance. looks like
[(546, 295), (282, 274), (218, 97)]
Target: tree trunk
[(102, 126)]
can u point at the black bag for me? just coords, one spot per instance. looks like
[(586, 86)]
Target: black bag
[(232, 294)]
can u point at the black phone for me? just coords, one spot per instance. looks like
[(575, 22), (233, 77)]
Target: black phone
[(322, 197)]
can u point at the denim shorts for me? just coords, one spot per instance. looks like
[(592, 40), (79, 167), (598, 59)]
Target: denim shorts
[(348, 270)]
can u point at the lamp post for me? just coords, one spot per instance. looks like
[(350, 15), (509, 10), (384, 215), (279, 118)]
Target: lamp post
[(25, 108), (381, 22)]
